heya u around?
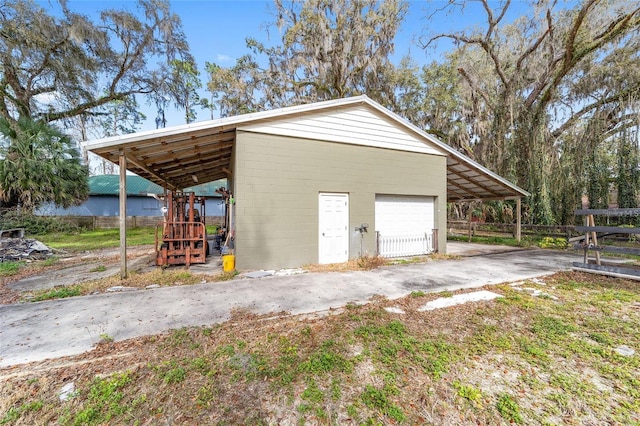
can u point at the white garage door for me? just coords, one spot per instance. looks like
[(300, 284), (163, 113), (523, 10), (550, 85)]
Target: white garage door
[(404, 225)]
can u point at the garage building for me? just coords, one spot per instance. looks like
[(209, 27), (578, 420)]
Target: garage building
[(316, 183)]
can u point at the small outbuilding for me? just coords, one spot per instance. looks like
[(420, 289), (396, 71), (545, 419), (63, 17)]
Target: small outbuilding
[(316, 183), (142, 198)]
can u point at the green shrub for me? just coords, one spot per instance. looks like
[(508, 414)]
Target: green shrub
[(553, 243), (36, 225)]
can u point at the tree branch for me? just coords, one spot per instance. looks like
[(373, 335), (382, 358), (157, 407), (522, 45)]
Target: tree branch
[(83, 108), (535, 45), (473, 86), (572, 55), (595, 105)]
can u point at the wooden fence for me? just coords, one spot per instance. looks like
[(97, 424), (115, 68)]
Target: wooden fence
[(481, 229), (592, 261), (110, 222)]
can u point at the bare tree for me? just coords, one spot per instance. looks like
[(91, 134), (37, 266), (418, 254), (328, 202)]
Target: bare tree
[(56, 67), (329, 49), (63, 68), (532, 82)]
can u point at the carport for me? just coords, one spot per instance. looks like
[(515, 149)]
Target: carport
[(181, 156)]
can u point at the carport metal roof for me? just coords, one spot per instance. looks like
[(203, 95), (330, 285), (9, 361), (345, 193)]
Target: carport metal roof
[(177, 157)]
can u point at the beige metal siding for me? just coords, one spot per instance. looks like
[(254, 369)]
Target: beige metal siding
[(277, 181), (359, 125)]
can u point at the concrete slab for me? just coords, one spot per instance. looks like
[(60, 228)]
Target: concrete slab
[(461, 248), (459, 299), (394, 310), (259, 274), (36, 331)]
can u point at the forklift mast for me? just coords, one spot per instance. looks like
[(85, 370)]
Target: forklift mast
[(183, 240)]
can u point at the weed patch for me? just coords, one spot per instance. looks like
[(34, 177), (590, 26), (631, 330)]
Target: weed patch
[(325, 360), (369, 262), (378, 399), (550, 328), (37, 225), (312, 393), (468, 392), (437, 356), (363, 263), (170, 372), (225, 276), (105, 338), (57, 293), (506, 362), (50, 261), (508, 241), (553, 243), (106, 400), (8, 269), (509, 409), (14, 413)]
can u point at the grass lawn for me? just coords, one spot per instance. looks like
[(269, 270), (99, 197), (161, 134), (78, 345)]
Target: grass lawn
[(554, 358), (98, 239), (84, 241), (527, 241), (102, 238), (507, 241)]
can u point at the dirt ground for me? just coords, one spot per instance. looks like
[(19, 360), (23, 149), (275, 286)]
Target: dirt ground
[(73, 268), (545, 353)]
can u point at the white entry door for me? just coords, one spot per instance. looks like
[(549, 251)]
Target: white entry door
[(333, 218)]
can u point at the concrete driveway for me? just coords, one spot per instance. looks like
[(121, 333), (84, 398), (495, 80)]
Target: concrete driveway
[(37, 331)]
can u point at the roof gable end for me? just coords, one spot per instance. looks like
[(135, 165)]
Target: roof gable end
[(354, 123)]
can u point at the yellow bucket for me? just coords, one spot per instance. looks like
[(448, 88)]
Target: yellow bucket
[(228, 263)]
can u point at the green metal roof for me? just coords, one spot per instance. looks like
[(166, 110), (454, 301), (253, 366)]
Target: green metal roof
[(136, 185)]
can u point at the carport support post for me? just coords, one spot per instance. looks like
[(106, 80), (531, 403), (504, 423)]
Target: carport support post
[(123, 215), (518, 219)]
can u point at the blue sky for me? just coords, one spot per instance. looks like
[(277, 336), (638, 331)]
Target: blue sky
[(216, 32)]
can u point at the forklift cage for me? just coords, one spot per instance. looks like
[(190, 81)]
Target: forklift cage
[(183, 239)]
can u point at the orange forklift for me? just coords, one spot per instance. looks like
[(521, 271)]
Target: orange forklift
[(184, 236)]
